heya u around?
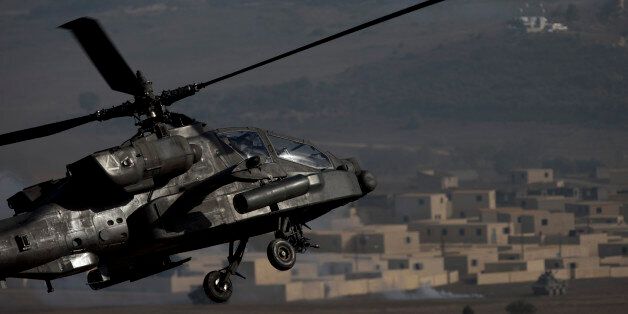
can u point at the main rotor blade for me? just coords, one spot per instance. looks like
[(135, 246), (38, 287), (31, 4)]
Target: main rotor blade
[(104, 55), (45, 130), (376, 21)]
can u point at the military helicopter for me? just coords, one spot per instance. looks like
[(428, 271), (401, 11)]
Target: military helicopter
[(122, 213)]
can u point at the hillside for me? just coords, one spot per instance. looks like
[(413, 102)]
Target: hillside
[(503, 76)]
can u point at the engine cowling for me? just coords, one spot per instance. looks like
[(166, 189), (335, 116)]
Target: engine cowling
[(139, 166)]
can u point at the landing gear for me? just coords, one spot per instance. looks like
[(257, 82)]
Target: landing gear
[(281, 254), (289, 241), (217, 288), (217, 284), (49, 286)]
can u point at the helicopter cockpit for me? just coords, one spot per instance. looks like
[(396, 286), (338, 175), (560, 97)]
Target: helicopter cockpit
[(299, 152), (246, 143), (250, 143)]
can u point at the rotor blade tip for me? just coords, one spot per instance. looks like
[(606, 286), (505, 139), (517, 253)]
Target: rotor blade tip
[(71, 24)]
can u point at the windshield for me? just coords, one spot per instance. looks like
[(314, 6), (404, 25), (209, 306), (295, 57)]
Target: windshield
[(299, 152), (247, 143)]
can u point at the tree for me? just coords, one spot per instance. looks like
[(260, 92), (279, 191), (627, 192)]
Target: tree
[(467, 310), (521, 307), (572, 14)]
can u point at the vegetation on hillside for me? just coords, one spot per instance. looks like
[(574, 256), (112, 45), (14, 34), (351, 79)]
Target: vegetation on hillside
[(554, 78)]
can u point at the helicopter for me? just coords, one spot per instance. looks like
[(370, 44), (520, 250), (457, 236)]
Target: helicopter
[(127, 212)]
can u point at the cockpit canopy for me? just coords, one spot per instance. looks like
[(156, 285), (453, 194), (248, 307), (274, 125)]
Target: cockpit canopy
[(251, 143)]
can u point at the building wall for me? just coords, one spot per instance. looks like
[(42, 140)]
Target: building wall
[(473, 199), (470, 262), (376, 239), (527, 176), (613, 249), (422, 265), (409, 207), (549, 203), (582, 209), (479, 233), (504, 266), (538, 222)]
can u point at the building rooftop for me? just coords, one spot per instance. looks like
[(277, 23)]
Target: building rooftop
[(472, 191)]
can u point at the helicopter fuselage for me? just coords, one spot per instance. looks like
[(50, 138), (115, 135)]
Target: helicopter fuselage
[(116, 213)]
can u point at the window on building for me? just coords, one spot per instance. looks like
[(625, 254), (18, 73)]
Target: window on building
[(463, 215), (478, 198), (461, 232), (421, 201), (478, 232), (442, 200), (598, 210), (444, 232), (506, 230), (429, 232), (408, 240), (418, 266), (546, 174), (544, 222), (437, 217), (523, 203), (519, 219), (474, 262), (624, 250), (406, 218), (22, 243)]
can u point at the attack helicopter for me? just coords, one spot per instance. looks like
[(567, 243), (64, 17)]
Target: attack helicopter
[(123, 213)]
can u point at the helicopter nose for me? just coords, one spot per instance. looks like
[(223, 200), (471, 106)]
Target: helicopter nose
[(367, 181)]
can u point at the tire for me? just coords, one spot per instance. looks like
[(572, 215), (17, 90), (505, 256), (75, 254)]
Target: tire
[(281, 254), (215, 290)]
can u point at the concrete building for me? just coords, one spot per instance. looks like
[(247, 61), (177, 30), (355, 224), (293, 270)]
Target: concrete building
[(590, 242), (425, 265), (593, 208), (537, 222), (435, 181), (619, 248), (529, 176), (505, 266), (613, 176), (473, 199), (549, 203), (462, 231), (533, 24), (470, 261), (372, 239), (420, 206)]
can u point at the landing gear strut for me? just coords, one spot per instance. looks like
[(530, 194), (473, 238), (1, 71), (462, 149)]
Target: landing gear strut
[(289, 241), (217, 284)]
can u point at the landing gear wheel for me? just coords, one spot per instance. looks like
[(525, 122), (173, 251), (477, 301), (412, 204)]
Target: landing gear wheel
[(216, 288), (281, 254)]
